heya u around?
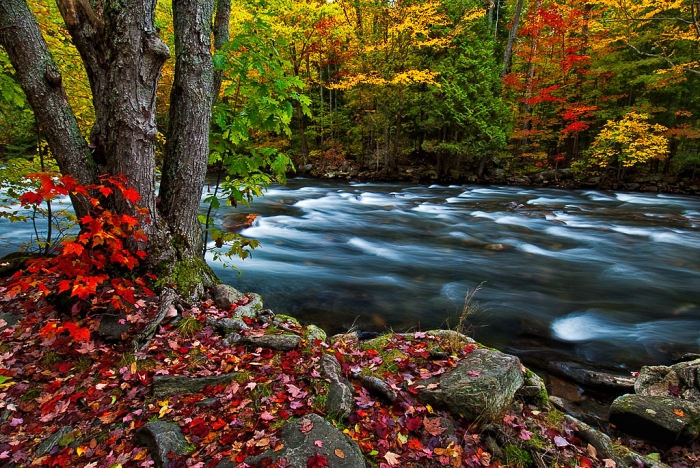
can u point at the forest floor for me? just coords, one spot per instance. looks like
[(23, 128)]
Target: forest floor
[(57, 372)]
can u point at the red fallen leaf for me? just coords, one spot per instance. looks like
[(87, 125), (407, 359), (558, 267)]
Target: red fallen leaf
[(306, 425), (317, 461), (218, 424), (414, 444), (65, 367), (413, 424), (585, 462), (674, 390), (432, 426)]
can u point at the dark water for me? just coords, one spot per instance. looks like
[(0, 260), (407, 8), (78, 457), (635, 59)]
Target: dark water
[(609, 277)]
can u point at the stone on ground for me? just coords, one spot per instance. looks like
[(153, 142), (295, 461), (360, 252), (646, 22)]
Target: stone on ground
[(656, 418), (161, 438)]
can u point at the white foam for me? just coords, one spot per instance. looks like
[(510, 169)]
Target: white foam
[(371, 249)]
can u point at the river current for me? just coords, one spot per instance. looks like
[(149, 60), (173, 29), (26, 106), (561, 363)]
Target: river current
[(608, 277), (604, 277)]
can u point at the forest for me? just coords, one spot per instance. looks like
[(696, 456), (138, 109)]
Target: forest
[(464, 86)]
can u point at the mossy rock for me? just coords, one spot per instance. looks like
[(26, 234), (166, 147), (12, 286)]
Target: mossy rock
[(14, 262)]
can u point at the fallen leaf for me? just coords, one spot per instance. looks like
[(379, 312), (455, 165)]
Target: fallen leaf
[(339, 453), (678, 412), (592, 452), (432, 426), (609, 463), (391, 458), (318, 443), (306, 425), (317, 461), (559, 441)]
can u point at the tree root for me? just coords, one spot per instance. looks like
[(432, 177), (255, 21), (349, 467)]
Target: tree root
[(168, 297), (376, 386), (504, 438)]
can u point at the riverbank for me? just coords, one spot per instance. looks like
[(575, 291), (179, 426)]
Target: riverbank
[(560, 178), (222, 383)]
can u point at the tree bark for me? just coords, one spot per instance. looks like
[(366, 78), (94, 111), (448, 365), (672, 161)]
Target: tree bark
[(221, 37), (41, 81), (187, 150)]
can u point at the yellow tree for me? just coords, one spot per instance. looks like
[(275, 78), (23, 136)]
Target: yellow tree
[(628, 142)]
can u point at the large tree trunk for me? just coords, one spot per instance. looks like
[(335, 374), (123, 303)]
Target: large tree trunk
[(123, 56), (41, 80), (187, 150)]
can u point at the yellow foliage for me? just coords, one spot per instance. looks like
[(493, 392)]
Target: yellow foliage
[(629, 141)]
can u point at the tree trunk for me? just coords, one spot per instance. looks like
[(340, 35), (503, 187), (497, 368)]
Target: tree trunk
[(187, 150), (511, 38), (40, 79), (123, 56), (221, 36)]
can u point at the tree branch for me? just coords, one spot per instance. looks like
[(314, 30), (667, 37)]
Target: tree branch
[(660, 57)]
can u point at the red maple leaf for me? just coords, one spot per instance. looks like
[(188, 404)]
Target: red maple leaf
[(317, 461)]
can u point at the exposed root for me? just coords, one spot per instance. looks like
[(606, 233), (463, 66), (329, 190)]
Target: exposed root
[(376, 386), (168, 298)]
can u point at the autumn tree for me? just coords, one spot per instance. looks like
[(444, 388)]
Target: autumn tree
[(123, 56)]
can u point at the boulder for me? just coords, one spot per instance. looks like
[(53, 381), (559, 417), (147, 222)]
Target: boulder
[(236, 222), (225, 296), (534, 389), (161, 438), (340, 392), (310, 436), (282, 342), (167, 385), (656, 418), (591, 377), (480, 386), (314, 333)]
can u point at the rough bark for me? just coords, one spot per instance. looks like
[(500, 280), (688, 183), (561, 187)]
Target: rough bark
[(187, 150), (221, 36), (41, 81)]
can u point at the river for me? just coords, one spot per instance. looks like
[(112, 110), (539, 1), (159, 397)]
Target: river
[(607, 277), (603, 277)]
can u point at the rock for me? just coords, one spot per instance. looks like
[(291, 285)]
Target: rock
[(51, 441), (534, 389), (13, 262), (495, 247), (113, 327), (679, 380), (282, 342), (236, 222), (451, 335), (286, 319), (519, 180), (590, 377), (10, 320), (480, 386), (314, 333), (340, 392), (655, 418), (251, 309), (227, 325), (225, 296), (161, 438), (339, 450), (633, 459), (167, 385)]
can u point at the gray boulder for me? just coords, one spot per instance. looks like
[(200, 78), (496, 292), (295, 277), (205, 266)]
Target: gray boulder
[(656, 418), (340, 392), (251, 309), (227, 325), (309, 436), (161, 438), (225, 296), (315, 333), (167, 385), (481, 386)]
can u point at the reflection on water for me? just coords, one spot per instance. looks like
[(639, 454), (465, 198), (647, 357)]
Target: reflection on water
[(609, 276)]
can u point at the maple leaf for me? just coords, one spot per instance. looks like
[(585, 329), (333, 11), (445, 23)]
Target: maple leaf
[(316, 461), (432, 426), (525, 434), (306, 425), (392, 458), (559, 441), (679, 413)]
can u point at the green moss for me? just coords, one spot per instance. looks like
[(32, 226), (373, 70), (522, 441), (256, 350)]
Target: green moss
[(189, 326), (515, 456), (31, 394)]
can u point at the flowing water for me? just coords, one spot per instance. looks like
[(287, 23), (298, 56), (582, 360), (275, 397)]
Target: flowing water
[(609, 277)]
